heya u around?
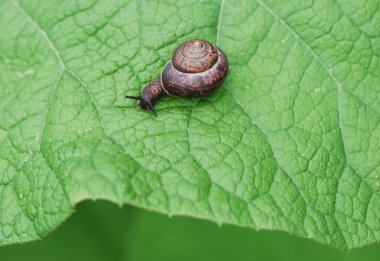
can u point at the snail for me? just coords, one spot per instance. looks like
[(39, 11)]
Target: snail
[(196, 69)]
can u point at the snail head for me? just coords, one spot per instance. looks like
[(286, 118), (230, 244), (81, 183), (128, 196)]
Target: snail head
[(151, 93)]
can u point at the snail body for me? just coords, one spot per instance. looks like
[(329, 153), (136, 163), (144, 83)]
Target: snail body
[(196, 69)]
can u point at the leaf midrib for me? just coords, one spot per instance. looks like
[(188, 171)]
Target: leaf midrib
[(318, 59)]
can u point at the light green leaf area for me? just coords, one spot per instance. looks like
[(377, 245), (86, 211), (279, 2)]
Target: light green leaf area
[(290, 142)]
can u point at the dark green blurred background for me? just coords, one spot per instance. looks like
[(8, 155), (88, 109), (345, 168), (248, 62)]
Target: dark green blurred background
[(103, 231)]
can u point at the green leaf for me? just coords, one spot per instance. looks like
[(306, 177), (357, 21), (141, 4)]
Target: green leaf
[(290, 142), (101, 231)]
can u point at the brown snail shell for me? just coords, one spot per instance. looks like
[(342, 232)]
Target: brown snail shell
[(197, 68)]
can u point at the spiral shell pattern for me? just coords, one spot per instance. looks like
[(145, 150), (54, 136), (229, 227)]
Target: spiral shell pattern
[(197, 68), (195, 56)]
